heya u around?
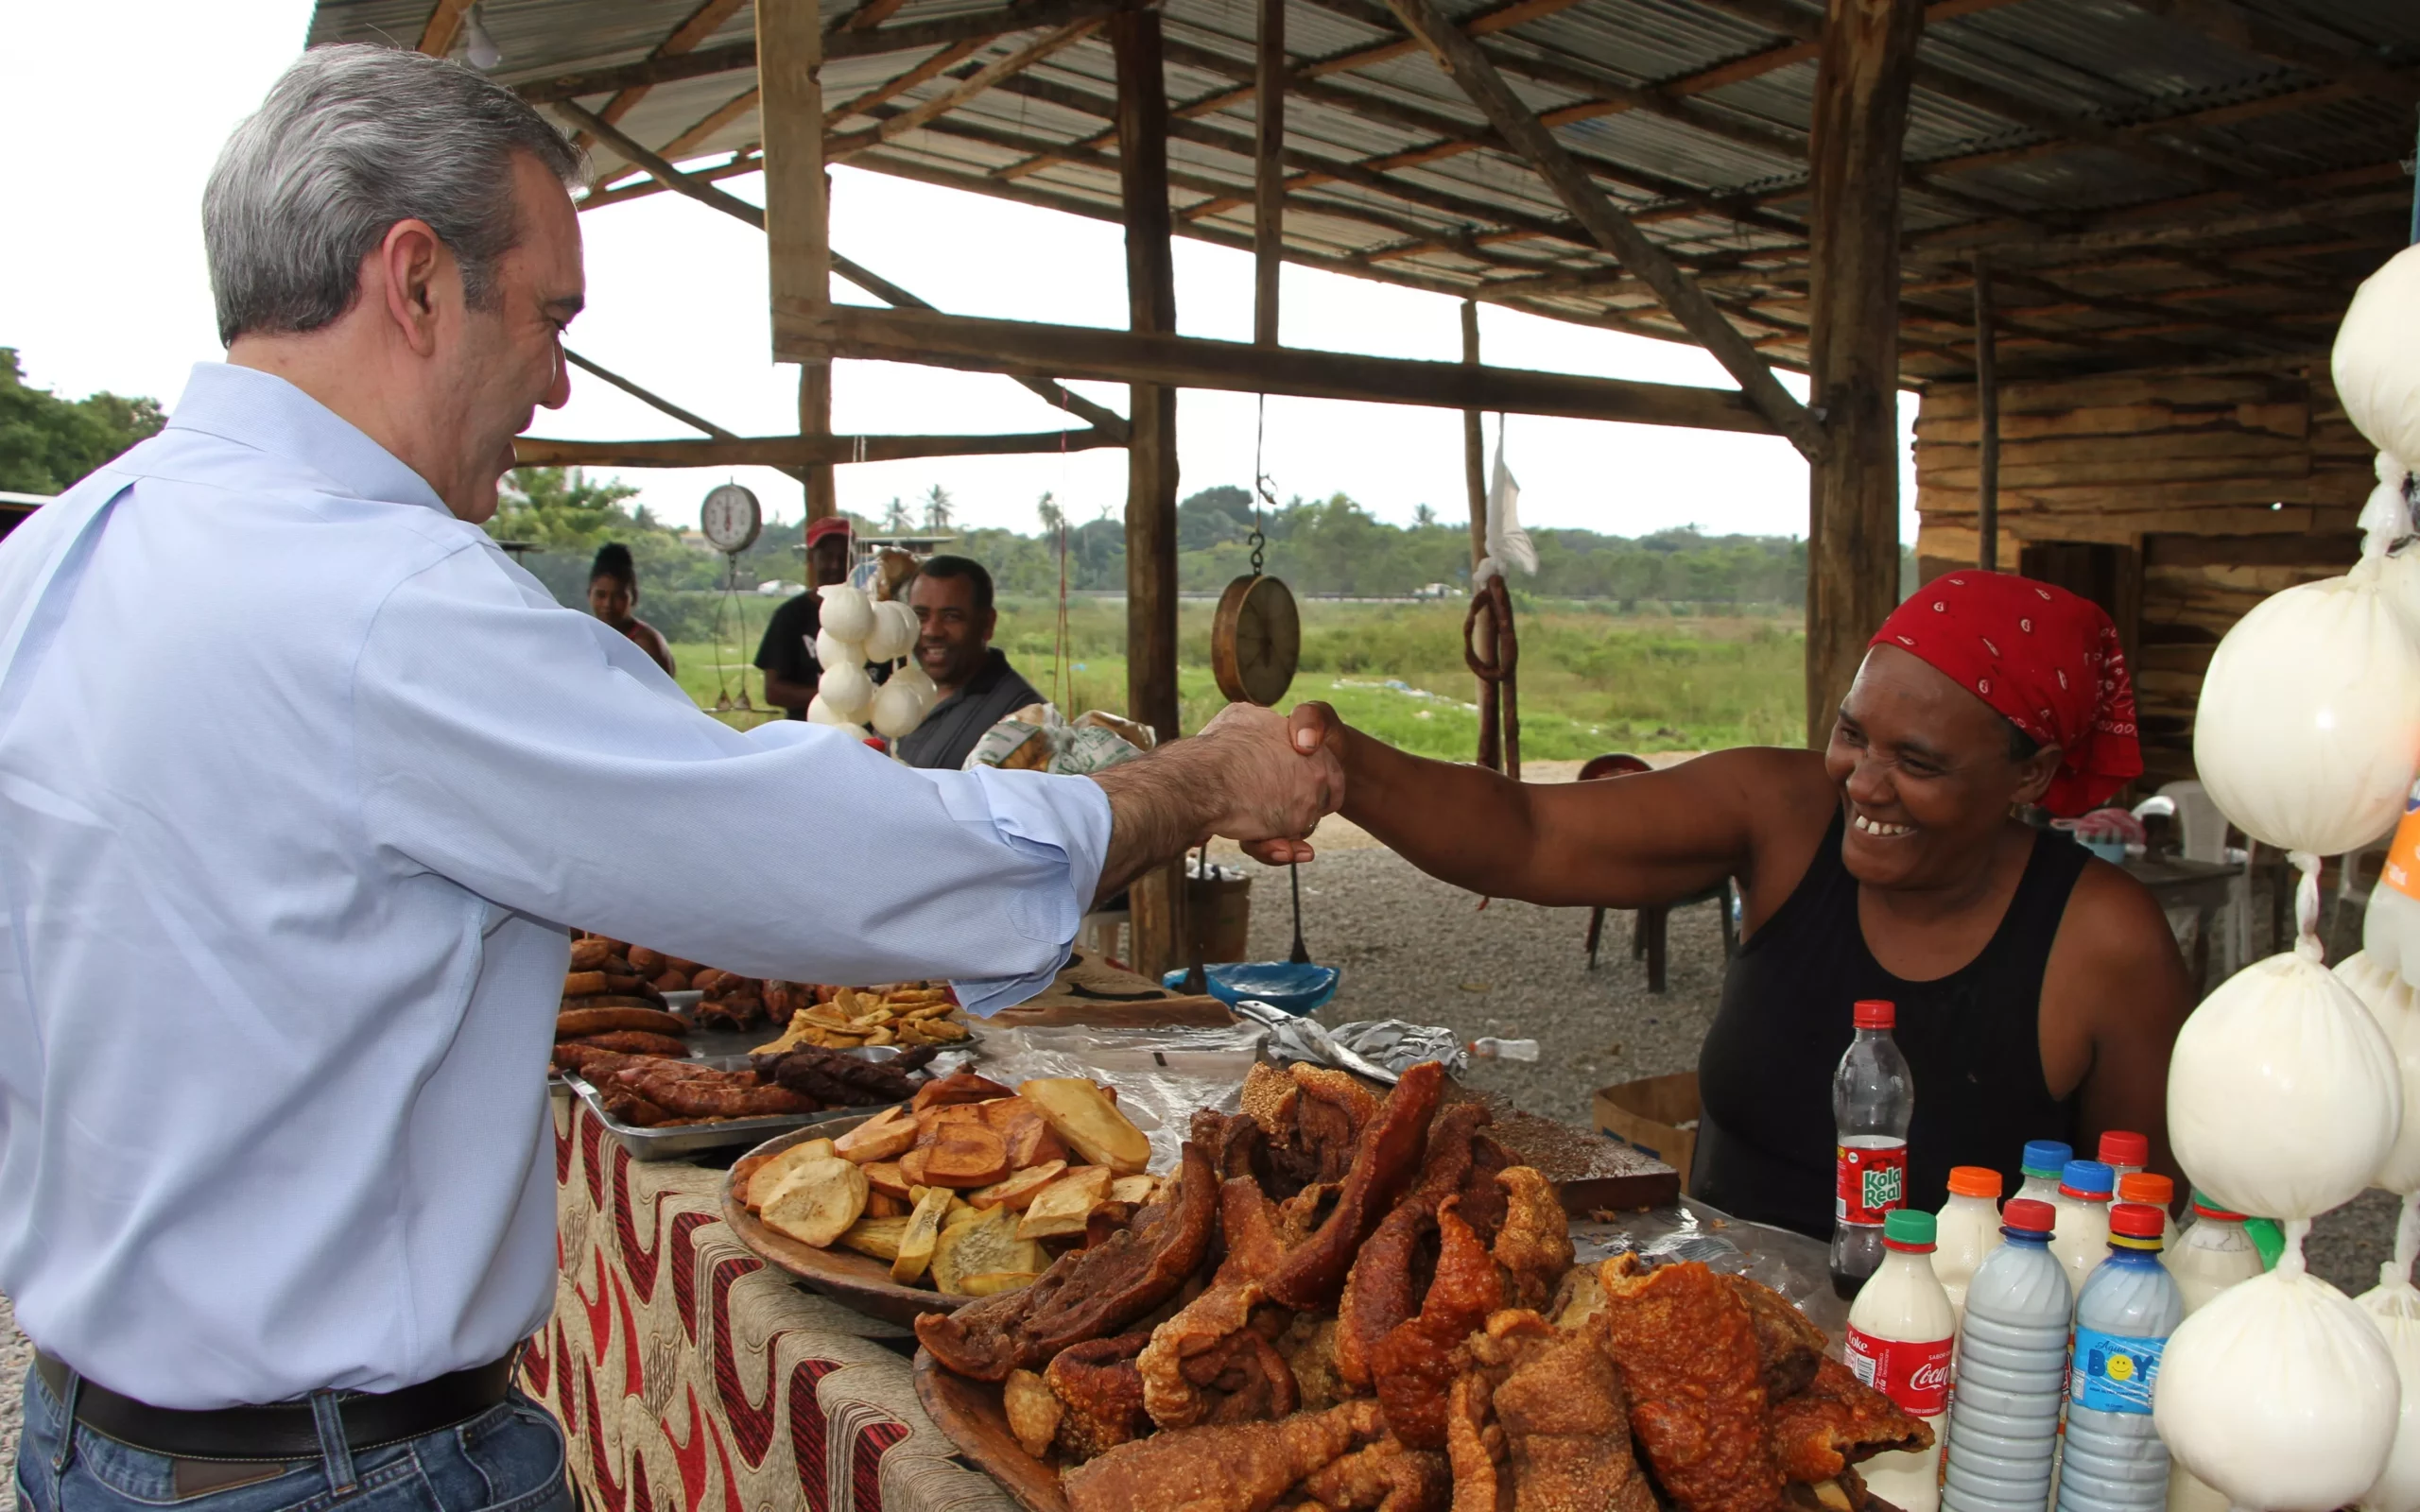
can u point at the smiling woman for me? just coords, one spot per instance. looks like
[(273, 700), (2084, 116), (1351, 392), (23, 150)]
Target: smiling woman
[(2038, 989)]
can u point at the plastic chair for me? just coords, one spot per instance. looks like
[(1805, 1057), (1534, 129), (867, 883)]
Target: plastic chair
[(1647, 930), (2201, 835)]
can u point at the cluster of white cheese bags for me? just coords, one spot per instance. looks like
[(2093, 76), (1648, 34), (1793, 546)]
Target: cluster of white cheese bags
[(857, 629), (2288, 1086)]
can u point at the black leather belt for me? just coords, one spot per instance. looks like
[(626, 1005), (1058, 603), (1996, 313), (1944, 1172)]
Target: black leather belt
[(284, 1429)]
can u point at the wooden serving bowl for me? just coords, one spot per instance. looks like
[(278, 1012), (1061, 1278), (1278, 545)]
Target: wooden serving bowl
[(970, 1412), (858, 1280)]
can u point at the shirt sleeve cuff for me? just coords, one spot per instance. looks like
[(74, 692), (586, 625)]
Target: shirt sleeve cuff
[(1046, 818)]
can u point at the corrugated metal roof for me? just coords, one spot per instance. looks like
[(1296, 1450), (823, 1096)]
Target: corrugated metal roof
[(2058, 132)]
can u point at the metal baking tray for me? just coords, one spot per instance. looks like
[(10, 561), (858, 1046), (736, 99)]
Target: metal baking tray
[(682, 1139)]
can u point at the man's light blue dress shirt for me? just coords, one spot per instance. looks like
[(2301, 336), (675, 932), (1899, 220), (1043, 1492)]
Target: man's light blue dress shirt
[(302, 784)]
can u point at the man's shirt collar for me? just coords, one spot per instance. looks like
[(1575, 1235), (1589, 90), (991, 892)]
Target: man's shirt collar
[(263, 411)]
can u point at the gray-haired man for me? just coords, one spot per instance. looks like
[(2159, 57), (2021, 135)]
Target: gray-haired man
[(300, 780)]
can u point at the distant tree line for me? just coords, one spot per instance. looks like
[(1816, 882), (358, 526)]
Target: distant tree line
[(48, 442)]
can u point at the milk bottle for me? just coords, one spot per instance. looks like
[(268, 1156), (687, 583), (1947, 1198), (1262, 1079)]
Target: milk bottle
[(2083, 1240), (2011, 1371), (1899, 1339), (2114, 1461), (1968, 1230), (2041, 1167), (2391, 923), (2125, 1153), (2212, 1254), (2152, 1190)]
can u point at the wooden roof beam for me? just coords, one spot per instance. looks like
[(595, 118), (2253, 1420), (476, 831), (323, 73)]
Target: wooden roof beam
[(840, 149), (2232, 26), (1108, 422), (793, 453), (840, 43), (1614, 231), (444, 24), (659, 402), (688, 37), (1192, 362)]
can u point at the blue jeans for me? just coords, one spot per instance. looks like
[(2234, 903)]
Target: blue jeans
[(508, 1458)]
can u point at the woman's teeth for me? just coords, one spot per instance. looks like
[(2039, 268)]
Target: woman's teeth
[(1876, 827)]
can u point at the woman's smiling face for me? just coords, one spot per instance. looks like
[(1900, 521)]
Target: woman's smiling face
[(1925, 772)]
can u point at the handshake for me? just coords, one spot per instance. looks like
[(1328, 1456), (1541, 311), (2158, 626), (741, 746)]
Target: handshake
[(1251, 774)]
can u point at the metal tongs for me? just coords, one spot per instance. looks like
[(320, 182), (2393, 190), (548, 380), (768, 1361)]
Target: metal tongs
[(1293, 1039)]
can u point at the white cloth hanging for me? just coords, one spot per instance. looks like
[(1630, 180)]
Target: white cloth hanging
[(1508, 544)]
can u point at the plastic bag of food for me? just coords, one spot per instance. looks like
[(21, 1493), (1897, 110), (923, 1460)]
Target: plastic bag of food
[(1038, 739)]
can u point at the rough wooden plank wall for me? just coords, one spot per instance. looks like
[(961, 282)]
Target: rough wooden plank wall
[(2228, 485)]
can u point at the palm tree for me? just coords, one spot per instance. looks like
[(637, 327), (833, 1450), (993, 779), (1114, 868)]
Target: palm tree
[(1423, 517), (1053, 517), (896, 520), (937, 508)]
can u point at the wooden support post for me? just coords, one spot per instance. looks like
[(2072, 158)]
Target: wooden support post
[(1987, 413), (1161, 931), (1475, 471), (815, 421), (1860, 119), (789, 60), (1269, 167)]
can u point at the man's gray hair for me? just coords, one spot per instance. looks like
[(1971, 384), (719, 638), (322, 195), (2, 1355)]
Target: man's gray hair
[(351, 140)]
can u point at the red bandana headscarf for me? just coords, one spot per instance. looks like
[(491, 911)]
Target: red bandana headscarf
[(2045, 659)]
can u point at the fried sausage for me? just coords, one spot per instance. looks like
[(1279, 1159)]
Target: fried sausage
[(669, 982), (728, 1094), (636, 1043), (710, 979), (584, 984), (626, 986), (627, 1106), (573, 1024), (646, 962), (589, 954)]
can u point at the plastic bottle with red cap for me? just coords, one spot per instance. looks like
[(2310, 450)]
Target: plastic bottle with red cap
[(1872, 1098), (2011, 1371), (2114, 1461), (1969, 1229), (2125, 1152), (2152, 1190), (1899, 1341)]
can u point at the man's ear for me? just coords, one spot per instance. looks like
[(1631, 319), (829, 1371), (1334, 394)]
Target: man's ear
[(410, 262), (990, 622)]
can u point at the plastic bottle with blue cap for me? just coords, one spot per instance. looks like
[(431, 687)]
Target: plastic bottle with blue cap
[(2011, 1371), (2083, 1240), (2041, 1167), (2114, 1461)]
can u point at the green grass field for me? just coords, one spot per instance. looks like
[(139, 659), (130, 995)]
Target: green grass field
[(1591, 681)]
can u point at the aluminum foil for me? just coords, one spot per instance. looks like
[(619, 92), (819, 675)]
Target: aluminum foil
[(1380, 1048)]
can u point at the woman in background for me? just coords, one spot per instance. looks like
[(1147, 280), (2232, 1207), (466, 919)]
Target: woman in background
[(614, 592)]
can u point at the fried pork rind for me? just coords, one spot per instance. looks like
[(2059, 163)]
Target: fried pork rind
[(1789, 1348), (1192, 1347), (1244, 1468), (1836, 1422), (1096, 1383), (1414, 1364), (1385, 1476), (1086, 1294), (1561, 1410), (1269, 1099), (1384, 1162), (1378, 1290), (1308, 1346), (1034, 1411), (1688, 1359), (1533, 1248)]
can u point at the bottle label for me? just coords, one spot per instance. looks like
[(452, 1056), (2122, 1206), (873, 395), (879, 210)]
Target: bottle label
[(1873, 1181), (1913, 1374), (2111, 1373), (2402, 870)]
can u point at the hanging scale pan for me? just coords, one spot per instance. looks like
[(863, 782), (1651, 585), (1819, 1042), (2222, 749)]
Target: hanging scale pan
[(1255, 640)]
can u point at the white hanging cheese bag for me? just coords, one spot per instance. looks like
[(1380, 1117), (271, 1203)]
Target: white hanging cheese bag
[(2284, 1097), (2393, 1305), (894, 631), (914, 678), (2308, 729), (897, 710), (2396, 1008), (847, 613), (2376, 362), (2279, 1392), (847, 691)]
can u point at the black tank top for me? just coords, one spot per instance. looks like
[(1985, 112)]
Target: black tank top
[(1973, 1045)]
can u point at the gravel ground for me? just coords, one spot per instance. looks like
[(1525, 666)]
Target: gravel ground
[(1413, 948), (15, 1356)]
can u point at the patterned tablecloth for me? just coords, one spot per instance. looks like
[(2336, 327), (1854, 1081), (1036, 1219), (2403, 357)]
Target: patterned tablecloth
[(692, 1377)]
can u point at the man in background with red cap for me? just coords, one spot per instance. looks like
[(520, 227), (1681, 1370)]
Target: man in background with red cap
[(786, 655), (2038, 989)]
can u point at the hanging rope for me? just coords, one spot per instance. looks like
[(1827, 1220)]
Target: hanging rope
[(1492, 652), (1262, 493)]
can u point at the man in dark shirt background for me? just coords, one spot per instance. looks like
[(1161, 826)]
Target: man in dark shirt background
[(786, 655), (952, 598)]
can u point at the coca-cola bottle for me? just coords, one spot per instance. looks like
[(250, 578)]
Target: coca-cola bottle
[(1872, 1098)]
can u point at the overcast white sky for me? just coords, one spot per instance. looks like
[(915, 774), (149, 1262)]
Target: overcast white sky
[(102, 285)]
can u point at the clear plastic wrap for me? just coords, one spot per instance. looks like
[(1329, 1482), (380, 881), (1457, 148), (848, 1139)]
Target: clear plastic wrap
[(1381, 1048), (1161, 1077)]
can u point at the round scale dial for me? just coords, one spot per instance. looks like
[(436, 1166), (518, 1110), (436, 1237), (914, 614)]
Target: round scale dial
[(1255, 640), (730, 518)]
